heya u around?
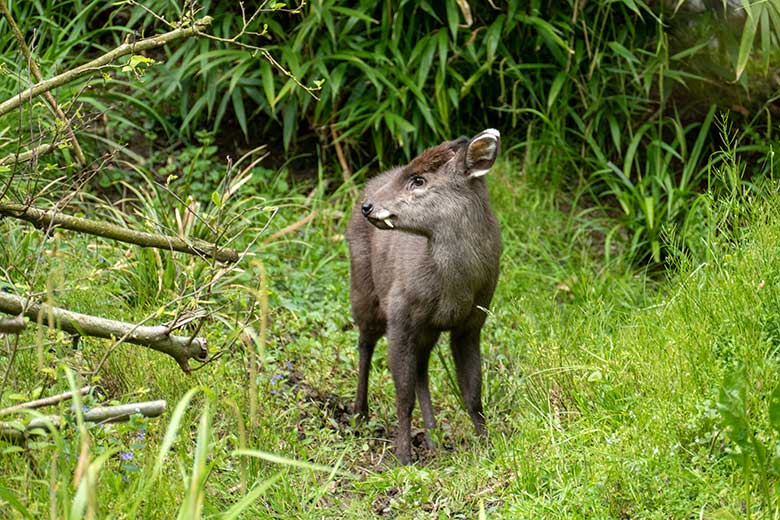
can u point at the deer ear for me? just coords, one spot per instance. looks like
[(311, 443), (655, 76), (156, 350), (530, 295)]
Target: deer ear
[(482, 152)]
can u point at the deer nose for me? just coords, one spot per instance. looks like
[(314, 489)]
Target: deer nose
[(366, 208)]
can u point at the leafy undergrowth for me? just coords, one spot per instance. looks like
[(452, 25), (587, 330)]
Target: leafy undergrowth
[(609, 393)]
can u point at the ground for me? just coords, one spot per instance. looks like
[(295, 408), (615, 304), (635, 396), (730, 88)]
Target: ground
[(606, 387)]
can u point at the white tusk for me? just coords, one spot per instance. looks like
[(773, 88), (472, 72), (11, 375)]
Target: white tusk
[(382, 214), (389, 223)]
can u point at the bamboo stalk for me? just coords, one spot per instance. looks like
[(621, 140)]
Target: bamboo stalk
[(45, 218), (156, 337), (94, 65)]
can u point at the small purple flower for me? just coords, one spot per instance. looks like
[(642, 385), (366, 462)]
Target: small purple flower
[(140, 435), (273, 392), (126, 455), (276, 378), (288, 365), (124, 478)]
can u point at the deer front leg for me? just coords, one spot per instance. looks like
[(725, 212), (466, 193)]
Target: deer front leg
[(366, 344), (465, 352), (425, 344), (403, 366)]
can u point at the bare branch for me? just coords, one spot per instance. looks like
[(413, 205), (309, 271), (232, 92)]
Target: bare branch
[(46, 401), (156, 337), (46, 218), (94, 65), (36, 72), (29, 154), (104, 414)]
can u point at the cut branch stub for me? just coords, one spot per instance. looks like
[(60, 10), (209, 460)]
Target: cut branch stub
[(156, 337), (45, 218), (11, 325)]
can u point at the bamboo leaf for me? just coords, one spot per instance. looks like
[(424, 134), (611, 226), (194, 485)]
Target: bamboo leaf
[(453, 17), (426, 61), (269, 86), (493, 36), (774, 409), (290, 112), (238, 109), (748, 35), (353, 13), (555, 88), (7, 495)]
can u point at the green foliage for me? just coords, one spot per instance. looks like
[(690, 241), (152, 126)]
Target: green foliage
[(614, 86), (598, 380), (756, 447)]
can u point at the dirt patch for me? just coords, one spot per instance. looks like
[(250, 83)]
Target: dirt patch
[(377, 436)]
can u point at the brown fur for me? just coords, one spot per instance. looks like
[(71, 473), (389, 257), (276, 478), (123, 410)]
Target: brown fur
[(435, 270)]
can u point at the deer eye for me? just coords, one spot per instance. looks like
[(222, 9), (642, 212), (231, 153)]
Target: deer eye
[(417, 182)]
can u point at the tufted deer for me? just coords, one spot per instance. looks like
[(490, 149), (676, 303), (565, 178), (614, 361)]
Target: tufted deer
[(424, 251)]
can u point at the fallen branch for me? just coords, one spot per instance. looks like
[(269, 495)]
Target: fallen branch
[(17, 433), (94, 65), (156, 337), (46, 401), (45, 218), (11, 325)]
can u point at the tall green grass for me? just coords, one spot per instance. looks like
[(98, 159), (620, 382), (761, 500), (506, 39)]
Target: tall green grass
[(623, 93)]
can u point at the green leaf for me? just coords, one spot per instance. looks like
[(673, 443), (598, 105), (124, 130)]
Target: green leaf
[(623, 52), (732, 405), (269, 87), (250, 498), (614, 130), (238, 109), (547, 29), (7, 495), (353, 12), (443, 42), (632, 5), (774, 409), (425, 110), (555, 88), (748, 35), (426, 61), (493, 36), (279, 459), (453, 17), (289, 114), (650, 212)]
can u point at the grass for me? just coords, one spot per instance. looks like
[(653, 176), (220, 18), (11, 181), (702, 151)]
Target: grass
[(610, 393)]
